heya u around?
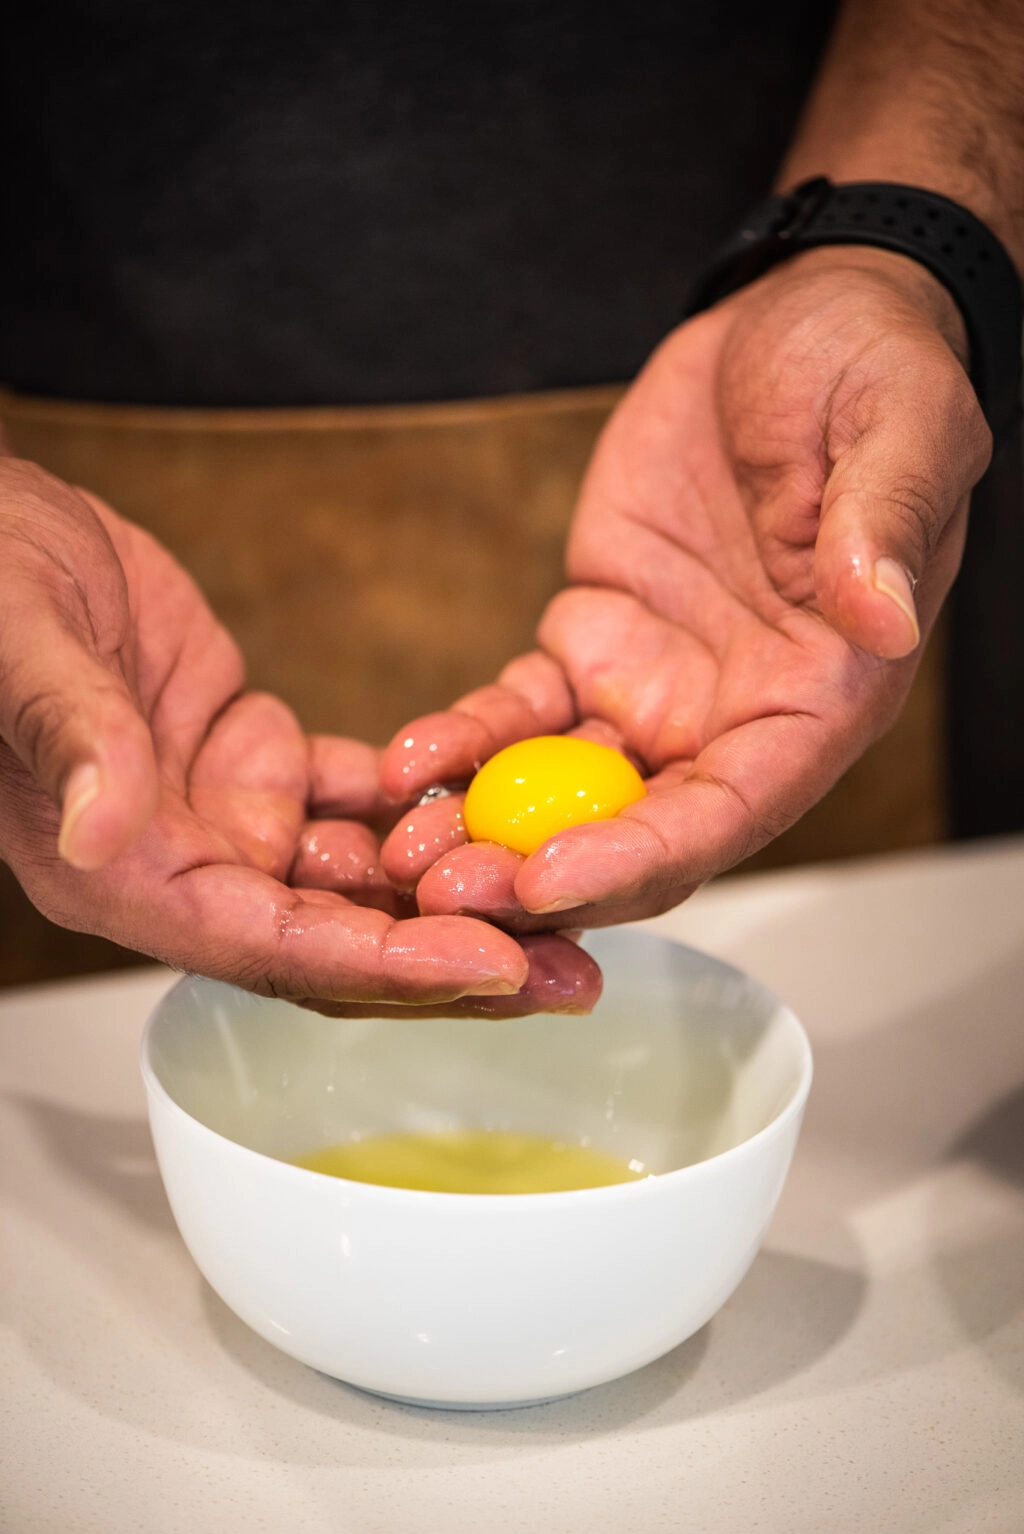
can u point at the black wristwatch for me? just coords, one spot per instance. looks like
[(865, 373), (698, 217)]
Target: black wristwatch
[(956, 247)]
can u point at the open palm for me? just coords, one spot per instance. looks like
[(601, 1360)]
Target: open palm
[(741, 619), (200, 824)]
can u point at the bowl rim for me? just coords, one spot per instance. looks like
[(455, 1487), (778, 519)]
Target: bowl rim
[(650, 1186)]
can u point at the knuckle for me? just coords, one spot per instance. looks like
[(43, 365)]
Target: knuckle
[(37, 728), (55, 892), (261, 974), (227, 655), (963, 437), (48, 902), (562, 611), (976, 449), (915, 506), (755, 824)]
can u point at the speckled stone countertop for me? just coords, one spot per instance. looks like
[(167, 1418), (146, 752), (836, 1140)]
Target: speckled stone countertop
[(866, 1378)]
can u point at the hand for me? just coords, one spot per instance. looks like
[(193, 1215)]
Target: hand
[(769, 525), (199, 825)]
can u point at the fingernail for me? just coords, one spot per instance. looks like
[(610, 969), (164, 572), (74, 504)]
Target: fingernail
[(563, 903), (892, 580), (496, 986), (83, 786)]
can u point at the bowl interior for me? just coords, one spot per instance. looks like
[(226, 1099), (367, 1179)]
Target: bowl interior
[(683, 1058)]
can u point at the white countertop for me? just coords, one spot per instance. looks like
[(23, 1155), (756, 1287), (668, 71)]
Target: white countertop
[(868, 1375)]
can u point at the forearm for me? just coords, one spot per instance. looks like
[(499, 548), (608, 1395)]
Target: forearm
[(927, 92)]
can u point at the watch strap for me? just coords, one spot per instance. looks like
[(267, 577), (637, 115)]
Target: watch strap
[(955, 246)]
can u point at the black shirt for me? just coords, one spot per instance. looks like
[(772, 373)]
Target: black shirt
[(253, 203)]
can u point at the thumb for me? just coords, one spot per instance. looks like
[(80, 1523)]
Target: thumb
[(894, 507), (73, 724)]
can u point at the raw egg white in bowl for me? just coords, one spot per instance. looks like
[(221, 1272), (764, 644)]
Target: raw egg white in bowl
[(687, 1068)]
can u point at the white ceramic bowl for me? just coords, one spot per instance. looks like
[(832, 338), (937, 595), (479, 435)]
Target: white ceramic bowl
[(481, 1300)]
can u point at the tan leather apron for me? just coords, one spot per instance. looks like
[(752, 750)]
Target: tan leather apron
[(374, 563)]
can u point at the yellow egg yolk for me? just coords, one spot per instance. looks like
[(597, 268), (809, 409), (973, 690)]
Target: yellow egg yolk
[(538, 787)]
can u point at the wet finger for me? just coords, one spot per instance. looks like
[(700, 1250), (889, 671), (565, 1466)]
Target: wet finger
[(427, 832), (532, 697), (345, 856), (344, 779), (237, 924), (563, 978), (480, 880)]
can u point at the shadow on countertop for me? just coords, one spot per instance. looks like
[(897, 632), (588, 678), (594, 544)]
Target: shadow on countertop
[(787, 1313)]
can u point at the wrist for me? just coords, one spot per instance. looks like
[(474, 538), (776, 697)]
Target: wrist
[(923, 95), (933, 234), (879, 163), (912, 281)]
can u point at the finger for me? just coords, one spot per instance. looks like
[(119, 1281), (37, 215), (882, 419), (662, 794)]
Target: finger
[(894, 507), (427, 832), (531, 697), (345, 856), (604, 733), (72, 722), (562, 979), (480, 880), (424, 837), (344, 779), (185, 665), (237, 924), (651, 680), (250, 778), (477, 879), (744, 789)]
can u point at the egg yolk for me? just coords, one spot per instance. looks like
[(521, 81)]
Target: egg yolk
[(538, 787)]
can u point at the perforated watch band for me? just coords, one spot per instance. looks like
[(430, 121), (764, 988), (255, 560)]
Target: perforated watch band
[(956, 247)]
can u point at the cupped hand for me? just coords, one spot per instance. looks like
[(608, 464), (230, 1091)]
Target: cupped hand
[(146, 797), (764, 538)]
